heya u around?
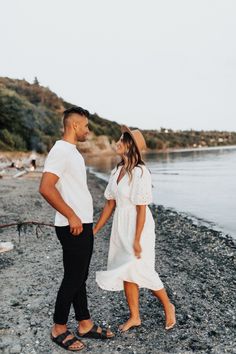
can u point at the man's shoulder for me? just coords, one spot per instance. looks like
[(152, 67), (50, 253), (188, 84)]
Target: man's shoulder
[(57, 152), (58, 146), (57, 159)]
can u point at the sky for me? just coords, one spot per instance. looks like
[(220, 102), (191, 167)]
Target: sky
[(143, 63)]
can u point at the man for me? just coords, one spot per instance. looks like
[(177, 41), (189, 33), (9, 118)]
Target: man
[(64, 186)]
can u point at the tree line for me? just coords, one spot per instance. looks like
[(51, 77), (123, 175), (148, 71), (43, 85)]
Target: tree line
[(31, 119)]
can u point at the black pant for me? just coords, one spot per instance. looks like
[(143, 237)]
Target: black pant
[(77, 252)]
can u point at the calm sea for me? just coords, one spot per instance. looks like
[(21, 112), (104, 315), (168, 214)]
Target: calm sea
[(201, 183)]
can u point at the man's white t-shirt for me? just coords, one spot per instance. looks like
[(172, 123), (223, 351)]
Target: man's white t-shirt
[(65, 161)]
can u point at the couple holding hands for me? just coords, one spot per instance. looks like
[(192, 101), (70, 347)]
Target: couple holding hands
[(131, 258)]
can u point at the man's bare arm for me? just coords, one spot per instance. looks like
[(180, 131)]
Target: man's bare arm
[(49, 191)]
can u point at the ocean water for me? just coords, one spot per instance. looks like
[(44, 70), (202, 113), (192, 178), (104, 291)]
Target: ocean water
[(201, 183)]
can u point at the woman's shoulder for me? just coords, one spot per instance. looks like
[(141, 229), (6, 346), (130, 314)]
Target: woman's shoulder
[(141, 170), (113, 172)]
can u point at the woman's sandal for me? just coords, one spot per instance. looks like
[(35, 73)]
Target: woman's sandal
[(94, 334), (66, 345)]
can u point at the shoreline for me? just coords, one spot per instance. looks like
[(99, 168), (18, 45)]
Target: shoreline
[(196, 220), (19, 154), (197, 266)]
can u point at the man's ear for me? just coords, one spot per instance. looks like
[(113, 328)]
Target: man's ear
[(75, 125)]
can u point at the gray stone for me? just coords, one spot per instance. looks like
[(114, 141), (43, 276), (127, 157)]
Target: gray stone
[(16, 348), (201, 285)]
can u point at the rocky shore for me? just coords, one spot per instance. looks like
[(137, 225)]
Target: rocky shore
[(196, 264)]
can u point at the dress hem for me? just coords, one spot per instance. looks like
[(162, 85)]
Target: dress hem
[(120, 289)]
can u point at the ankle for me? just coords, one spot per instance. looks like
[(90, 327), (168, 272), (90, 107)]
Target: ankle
[(58, 328), (170, 306), (85, 323), (135, 318), (170, 311)]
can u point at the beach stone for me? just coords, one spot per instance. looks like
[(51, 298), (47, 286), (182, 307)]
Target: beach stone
[(6, 351), (38, 204), (196, 266), (15, 349), (3, 345), (5, 341), (15, 303)]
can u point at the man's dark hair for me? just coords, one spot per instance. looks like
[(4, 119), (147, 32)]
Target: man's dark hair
[(72, 110)]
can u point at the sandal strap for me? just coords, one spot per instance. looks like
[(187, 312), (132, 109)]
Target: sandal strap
[(69, 342), (59, 339), (104, 333), (93, 333), (94, 329)]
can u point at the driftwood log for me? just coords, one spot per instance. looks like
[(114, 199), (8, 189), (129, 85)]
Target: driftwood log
[(22, 225)]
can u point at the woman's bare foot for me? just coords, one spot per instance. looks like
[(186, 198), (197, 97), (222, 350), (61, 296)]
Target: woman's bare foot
[(132, 322), (59, 329), (170, 317)]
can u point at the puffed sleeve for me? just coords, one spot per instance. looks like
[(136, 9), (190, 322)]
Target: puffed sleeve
[(109, 191), (141, 188)]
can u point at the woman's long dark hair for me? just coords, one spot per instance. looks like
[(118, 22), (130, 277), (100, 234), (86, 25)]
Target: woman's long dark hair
[(132, 156)]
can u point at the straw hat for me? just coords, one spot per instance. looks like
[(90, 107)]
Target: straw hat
[(137, 137)]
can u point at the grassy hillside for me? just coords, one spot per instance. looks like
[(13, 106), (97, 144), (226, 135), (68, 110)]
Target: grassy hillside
[(30, 118), (167, 138)]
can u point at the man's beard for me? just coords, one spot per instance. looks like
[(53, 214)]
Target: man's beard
[(81, 139)]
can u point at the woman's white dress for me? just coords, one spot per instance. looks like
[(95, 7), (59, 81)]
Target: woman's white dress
[(122, 263)]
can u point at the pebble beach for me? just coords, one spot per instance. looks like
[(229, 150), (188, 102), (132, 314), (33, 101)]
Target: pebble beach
[(196, 264)]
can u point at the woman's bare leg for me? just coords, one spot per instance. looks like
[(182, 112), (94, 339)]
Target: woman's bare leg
[(132, 297), (168, 307)]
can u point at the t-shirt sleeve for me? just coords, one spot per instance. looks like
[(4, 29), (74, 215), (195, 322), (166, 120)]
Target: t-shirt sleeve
[(109, 192), (56, 162), (141, 189)]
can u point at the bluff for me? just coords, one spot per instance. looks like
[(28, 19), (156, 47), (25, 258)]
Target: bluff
[(30, 119)]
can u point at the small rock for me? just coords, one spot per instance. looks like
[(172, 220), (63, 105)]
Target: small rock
[(15, 349), (38, 204)]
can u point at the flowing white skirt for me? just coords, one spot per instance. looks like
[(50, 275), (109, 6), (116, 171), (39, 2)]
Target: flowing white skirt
[(122, 263)]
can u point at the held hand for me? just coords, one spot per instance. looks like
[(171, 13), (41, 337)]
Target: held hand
[(137, 249), (76, 226), (94, 230)]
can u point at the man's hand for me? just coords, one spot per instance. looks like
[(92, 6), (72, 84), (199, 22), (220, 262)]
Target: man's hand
[(76, 226), (137, 249)]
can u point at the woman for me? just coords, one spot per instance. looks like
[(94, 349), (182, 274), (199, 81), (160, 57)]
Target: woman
[(131, 258)]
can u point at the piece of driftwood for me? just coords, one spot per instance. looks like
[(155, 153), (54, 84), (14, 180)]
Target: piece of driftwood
[(20, 173), (23, 224)]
